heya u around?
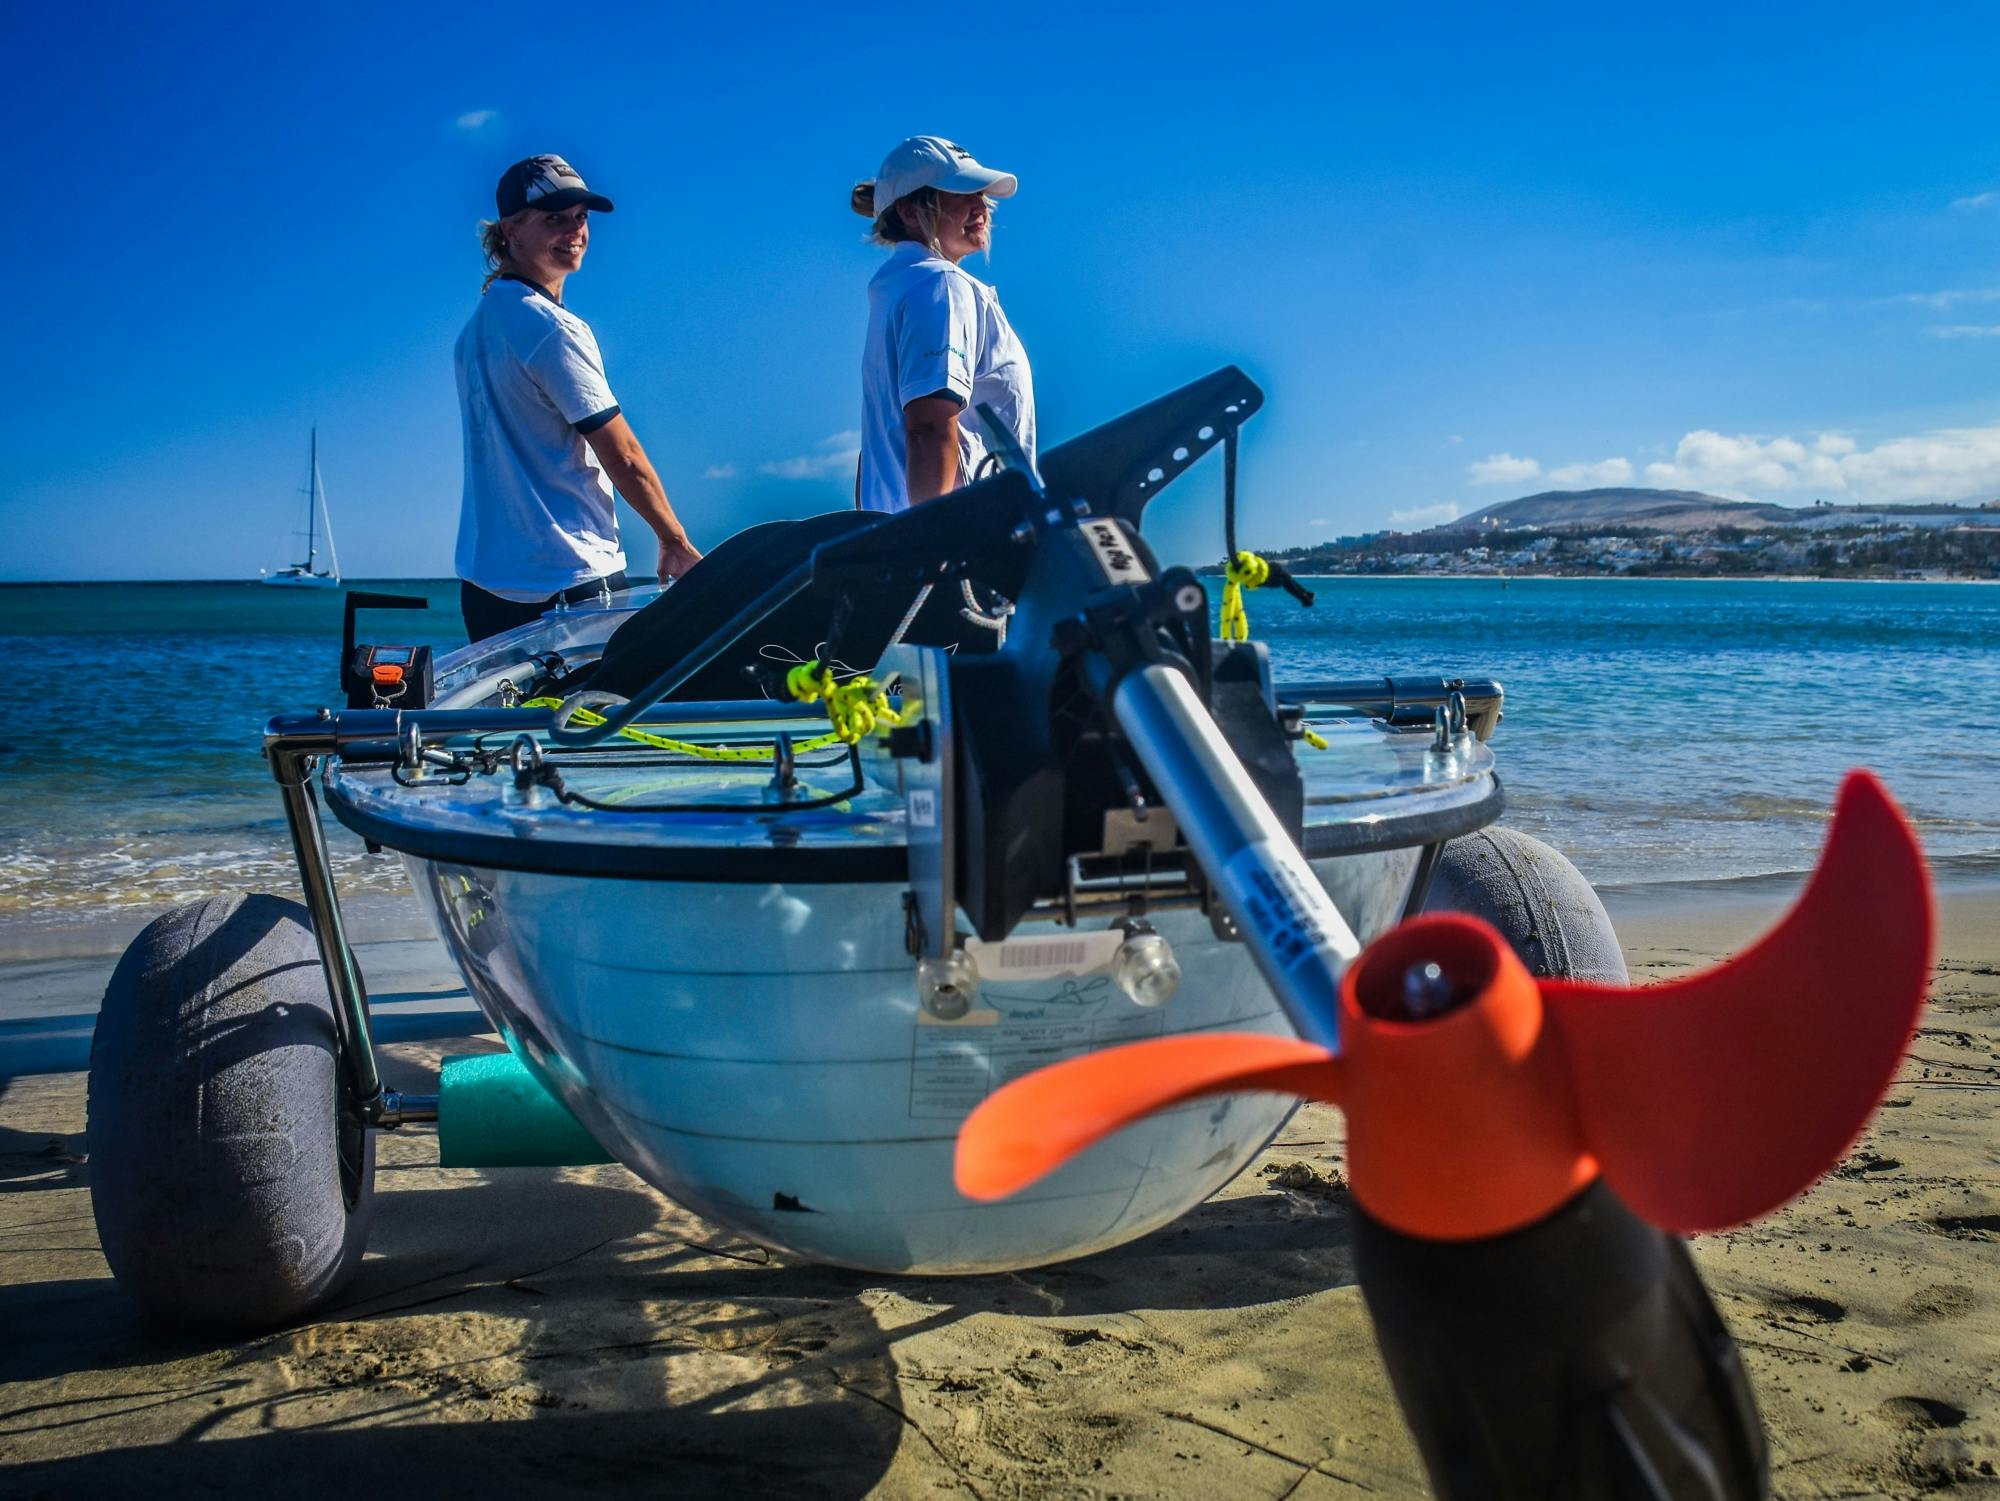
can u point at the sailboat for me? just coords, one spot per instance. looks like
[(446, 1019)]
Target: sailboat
[(305, 575)]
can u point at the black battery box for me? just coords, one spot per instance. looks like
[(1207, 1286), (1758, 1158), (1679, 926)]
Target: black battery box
[(374, 676)]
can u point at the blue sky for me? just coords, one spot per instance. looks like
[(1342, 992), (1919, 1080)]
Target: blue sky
[(1469, 255)]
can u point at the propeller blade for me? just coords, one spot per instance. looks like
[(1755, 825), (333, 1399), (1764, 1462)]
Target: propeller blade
[(1034, 1125), (1713, 1099), (1704, 1102)]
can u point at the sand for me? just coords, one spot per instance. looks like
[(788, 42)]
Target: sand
[(528, 1331)]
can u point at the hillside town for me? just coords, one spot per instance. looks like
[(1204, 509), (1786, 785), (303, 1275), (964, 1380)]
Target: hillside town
[(1641, 533)]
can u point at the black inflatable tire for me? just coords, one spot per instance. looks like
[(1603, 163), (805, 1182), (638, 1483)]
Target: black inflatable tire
[(1540, 903), (215, 1137)]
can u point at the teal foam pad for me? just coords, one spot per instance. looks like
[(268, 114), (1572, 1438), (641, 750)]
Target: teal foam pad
[(493, 1113)]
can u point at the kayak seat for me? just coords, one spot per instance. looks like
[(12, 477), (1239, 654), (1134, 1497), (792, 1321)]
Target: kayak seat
[(728, 578)]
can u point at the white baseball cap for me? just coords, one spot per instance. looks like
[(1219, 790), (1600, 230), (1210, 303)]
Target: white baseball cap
[(934, 162)]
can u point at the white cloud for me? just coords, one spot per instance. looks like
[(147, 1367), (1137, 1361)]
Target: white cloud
[(1320, 521), (1732, 466), (831, 455), (1977, 200), (1594, 476), (1968, 331), (1954, 463), (1949, 464), (1455, 438), (1952, 296), (1502, 469), (1418, 517), (473, 119), (719, 471)]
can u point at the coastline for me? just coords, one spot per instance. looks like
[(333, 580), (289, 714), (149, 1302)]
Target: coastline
[(578, 1329), (1206, 570), (1621, 578)]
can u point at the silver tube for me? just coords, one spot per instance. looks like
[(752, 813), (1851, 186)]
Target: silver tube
[(327, 733), (406, 1110), (1297, 936), (343, 975), (1379, 696)]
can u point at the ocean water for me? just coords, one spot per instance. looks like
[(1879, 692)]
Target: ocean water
[(1655, 731)]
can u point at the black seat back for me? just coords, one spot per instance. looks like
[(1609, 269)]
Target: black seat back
[(725, 579)]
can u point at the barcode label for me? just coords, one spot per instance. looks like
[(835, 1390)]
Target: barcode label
[(1034, 955), (1044, 958)]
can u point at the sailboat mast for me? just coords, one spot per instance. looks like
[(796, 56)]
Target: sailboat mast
[(326, 513), (312, 496)]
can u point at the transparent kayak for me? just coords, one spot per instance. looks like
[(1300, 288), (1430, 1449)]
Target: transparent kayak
[(723, 991)]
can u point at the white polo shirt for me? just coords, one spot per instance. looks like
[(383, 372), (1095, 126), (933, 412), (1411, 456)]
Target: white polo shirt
[(935, 329), (537, 514)]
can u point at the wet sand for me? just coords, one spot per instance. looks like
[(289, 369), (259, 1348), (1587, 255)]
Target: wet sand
[(558, 1333)]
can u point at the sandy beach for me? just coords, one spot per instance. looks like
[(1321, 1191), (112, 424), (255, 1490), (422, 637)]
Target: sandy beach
[(555, 1333)]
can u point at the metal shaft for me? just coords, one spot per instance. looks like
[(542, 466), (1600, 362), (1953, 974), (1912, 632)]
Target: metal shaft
[(1297, 936), (343, 975), (291, 744)]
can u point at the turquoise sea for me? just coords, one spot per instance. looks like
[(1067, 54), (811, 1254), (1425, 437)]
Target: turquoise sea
[(1656, 730)]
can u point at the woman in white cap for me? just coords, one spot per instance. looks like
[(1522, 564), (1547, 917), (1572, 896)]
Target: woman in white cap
[(545, 442), (937, 340)]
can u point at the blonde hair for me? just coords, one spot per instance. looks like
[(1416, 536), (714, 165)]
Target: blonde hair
[(889, 228), (493, 244)]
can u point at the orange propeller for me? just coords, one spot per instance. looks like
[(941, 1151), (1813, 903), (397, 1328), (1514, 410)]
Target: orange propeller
[(1703, 1102)]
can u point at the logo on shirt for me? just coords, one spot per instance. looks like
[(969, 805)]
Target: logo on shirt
[(932, 354)]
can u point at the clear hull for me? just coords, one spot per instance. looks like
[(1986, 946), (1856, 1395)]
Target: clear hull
[(757, 1052)]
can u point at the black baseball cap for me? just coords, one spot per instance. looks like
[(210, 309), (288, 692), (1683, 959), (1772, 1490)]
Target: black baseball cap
[(544, 182)]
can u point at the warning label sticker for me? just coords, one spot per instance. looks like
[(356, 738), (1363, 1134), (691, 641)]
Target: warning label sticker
[(954, 1068), (1282, 902), (1114, 553)]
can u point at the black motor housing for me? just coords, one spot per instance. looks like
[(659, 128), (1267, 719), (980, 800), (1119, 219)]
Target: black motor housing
[(1038, 758), (1246, 711), (1576, 1359)]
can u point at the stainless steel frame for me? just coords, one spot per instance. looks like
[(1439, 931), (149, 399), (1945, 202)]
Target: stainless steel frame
[(1404, 700), (295, 743)]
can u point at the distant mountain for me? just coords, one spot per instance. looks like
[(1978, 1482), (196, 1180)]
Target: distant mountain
[(1661, 510)]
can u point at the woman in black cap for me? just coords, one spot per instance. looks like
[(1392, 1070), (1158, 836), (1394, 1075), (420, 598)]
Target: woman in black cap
[(545, 444)]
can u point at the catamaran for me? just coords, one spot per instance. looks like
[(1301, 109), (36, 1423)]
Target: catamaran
[(304, 575)]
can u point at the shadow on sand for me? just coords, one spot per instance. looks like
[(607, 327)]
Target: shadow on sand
[(570, 1336)]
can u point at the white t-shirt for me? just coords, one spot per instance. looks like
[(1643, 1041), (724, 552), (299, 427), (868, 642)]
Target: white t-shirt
[(934, 329), (537, 514)]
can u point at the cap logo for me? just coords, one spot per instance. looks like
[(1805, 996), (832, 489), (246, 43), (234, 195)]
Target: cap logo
[(548, 178)]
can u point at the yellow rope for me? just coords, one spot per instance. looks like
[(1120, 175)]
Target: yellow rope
[(1244, 571), (1248, 571), (855, 706), (688, 747)]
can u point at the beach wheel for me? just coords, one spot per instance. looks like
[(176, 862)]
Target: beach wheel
[(1539, 902), (231, 1190)]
